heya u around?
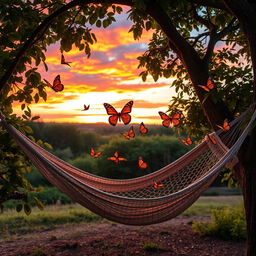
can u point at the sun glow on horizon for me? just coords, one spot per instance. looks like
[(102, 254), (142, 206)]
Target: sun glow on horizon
[(110, 75)]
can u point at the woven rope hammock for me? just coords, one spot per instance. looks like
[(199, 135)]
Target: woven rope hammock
[(135, 201)]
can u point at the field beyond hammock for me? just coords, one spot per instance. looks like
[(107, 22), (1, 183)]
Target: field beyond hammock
[(72, 230)]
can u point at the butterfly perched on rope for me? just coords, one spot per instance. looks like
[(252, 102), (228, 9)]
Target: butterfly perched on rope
[(116, 158), (157, 185), (143, 129), (225, 126), (141, 163), (63, 61), (119, 116), (130, 134), (57, 86), (94, 154), (212, 139), (209, 85), (167, 120), (86, 107), (187, 141)]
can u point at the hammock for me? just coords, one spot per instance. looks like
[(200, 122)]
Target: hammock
[(135, 201)]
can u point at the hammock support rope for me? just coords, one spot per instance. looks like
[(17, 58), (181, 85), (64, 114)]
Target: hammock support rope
[(135, 201)]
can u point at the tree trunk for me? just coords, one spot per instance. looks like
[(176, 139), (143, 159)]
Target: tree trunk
[(247, 178)]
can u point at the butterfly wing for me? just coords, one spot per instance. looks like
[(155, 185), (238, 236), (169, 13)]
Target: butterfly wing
[(57, 85), (124, 114), (226, 126), (92, 152), (142, 164), (112, 112), (143, 129), (187, 141), (212, 139), (210, 83), (166, 119), (131, 132), (175, 120), (204, 87)]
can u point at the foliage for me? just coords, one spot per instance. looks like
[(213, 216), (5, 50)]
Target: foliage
[(156, 150), (228, 224)]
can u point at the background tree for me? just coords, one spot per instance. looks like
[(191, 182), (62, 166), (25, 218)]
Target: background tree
[(185, 34)]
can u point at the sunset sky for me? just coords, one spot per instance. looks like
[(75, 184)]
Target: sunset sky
[(110, 75)]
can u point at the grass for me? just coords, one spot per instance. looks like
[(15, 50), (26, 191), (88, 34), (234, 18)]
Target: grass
[(54, 216), (12, 222), (205, 205)]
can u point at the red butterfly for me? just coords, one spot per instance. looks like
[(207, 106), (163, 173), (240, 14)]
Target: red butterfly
[(57, 85), (143, 129), (94, 154), (212, 139), (116, 158), (63, 61), (174, 120), (119, 116), (142, 164), (187, 141), (225, 126), (157, 185), (86, 107), (209, 85), (130, 134)]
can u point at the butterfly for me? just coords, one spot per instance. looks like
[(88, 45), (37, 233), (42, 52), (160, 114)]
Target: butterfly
[(130, 134), (225, 126), (116, 158), (212, 139), (142, 164), (174, 120), (63, 61), (157, 185), (94, 154), (187, 141), (86, 107), (209, 85), (119, 116), (143, 129), (57, 86)]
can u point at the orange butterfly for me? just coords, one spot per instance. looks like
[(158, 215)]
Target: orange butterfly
[(119, 116), (187, 141), (142, 164), (212, 139), (143, 129), (116, 158), (130, 134), (174, 120), (209, 85), (225, 126), (94, 154), (86, 107), (157, 185), (63, 61), (57, 85)]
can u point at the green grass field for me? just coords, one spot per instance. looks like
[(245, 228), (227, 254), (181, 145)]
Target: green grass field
[(54, 216)]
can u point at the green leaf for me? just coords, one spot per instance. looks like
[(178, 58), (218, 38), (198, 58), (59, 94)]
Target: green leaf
[(39, 204), (19, 207), (27, 209)]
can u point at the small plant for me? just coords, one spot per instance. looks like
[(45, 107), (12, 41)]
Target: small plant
[(151, 247), (38, 252), (228, 224)]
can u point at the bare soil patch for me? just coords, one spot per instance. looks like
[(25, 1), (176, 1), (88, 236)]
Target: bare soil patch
[(172, 238)]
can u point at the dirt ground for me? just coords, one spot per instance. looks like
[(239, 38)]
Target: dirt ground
[(172, 238)]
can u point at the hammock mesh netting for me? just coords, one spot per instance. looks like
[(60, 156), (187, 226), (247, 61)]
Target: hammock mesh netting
[(135, 201)]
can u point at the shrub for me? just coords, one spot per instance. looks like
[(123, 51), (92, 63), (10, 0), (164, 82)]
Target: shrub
[(228, 224)]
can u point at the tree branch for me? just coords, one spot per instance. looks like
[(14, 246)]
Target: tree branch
[(215, 37), (218, 4)]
